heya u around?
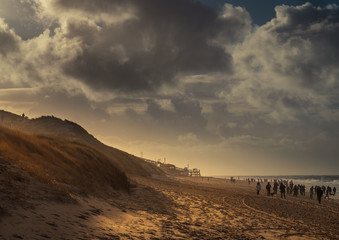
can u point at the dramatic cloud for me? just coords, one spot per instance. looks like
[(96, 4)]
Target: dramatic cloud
[(182, 116), (9, 41), (178, 76), (287, 67), (130, 46), (162, 40), (286, 96), (22, 15)]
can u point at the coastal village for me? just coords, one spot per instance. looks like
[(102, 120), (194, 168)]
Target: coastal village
[(172, 169)]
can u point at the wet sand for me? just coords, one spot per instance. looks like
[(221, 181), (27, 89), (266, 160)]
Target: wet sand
[(172, 208)]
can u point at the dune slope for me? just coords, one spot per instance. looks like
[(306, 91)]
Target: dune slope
[(65, 165), (55, 127)]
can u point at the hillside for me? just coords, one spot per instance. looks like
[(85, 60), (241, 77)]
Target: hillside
[(63, 167), (55, 127)]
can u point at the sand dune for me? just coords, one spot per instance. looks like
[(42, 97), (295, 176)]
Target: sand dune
[(65, 130)]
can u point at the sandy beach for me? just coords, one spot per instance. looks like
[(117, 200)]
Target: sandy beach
[(113, 113), (170, 208)]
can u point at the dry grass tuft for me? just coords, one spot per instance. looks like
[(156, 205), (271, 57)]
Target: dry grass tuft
[(66, 165)]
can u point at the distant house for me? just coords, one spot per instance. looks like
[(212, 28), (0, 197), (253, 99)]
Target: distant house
[(195, 172), (170, 166), (172, 169)]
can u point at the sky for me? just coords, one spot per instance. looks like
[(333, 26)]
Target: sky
[(230, 87)]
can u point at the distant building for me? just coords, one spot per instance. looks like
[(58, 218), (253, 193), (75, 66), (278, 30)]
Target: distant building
[(194, 172), (171, 168)]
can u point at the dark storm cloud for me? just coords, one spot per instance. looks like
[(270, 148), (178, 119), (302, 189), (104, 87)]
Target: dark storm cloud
[(21, 16), (8, 40), (201, 90), (163, 39), (302, 17), (186, 116)]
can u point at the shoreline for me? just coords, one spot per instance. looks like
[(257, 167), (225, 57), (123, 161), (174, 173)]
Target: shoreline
[(296, 181)]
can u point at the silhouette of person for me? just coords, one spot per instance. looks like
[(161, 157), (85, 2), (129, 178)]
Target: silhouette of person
[(295, 191), (275, 188), (334, 190), (268, 189), (258, 187), (311, 192), (319, 194), (291, 187), (327, 195), (282, 190)]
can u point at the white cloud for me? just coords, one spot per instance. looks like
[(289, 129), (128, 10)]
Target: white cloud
[(287, 68), (207, 79)]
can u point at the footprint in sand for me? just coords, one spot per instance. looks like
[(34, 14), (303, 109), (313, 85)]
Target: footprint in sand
[(44, 236), (83, 216), (17, 236), (96, 211), (52, 224)]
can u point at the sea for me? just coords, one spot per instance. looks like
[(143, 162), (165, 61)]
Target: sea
[(307, 180)]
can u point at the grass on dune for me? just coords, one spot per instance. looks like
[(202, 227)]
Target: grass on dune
[(62, 163)]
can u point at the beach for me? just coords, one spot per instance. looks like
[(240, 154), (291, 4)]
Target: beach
[(167, 207), (158, 119)]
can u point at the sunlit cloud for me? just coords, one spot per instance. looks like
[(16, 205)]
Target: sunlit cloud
[(178, 75)]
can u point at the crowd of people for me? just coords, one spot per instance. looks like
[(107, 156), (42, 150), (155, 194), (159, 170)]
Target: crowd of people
[(288, 187)]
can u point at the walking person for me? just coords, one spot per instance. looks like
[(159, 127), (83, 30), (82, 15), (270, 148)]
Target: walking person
[(324, 189), (311, 192), (334, 190), (319, 194), (282, 190), (302, 187), (268, 188), (275, 188), (291, 187), (258, 187), (329, 190), (295, 191), (327, 195)]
